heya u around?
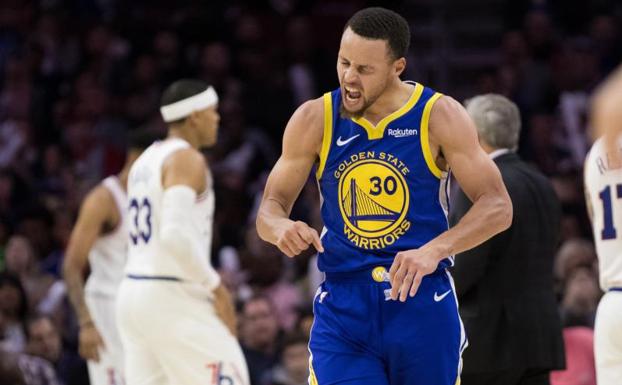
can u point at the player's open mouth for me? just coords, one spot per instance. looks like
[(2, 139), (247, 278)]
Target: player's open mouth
[(352, 95)]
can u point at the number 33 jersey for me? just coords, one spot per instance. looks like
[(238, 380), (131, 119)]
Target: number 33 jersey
[(382, 192), (603, 190), (147, 257)]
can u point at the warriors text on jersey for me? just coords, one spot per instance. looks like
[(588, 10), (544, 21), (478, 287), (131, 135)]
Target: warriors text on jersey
[(382, 191)]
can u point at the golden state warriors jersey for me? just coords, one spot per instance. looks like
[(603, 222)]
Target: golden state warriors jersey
[(382, 192)]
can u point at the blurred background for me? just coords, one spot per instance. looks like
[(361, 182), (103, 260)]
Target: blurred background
[(77, 75)]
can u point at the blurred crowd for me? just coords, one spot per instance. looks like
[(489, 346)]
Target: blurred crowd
[(77, 76)]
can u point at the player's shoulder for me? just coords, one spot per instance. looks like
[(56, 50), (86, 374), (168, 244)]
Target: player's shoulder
[(185, 159), (450, 123), (306, 127), (445, 108), (98, 200), (310, 112)]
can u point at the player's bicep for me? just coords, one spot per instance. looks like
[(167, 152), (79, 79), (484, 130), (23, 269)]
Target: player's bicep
[(456, 134), (301, 142)]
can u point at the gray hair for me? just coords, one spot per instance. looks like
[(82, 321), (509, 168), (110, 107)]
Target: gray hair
[(497, 120)]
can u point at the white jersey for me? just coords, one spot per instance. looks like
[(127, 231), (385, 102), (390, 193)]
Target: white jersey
[(109, 252), (147, 257), (604, 194)]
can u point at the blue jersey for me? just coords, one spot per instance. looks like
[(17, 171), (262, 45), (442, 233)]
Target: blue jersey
[(381, 190)]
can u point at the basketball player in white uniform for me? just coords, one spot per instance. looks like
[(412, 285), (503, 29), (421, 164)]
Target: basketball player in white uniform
[(603, 189), (174, 315), (99, 240)]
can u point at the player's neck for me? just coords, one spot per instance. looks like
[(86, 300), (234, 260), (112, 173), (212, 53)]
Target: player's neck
[(184, 134), (392, 99)]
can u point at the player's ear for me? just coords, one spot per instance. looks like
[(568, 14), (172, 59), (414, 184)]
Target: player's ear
[(193, 118), (399, 65)]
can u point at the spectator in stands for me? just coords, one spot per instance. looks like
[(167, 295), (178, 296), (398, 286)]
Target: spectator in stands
[(44, 341), (259, 337), (293, 369), (13, 310), (580, 298), (22, 262)]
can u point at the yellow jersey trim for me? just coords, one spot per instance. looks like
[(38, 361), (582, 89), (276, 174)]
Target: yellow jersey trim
[(327, 138), (312, 377), (377, 131), (425, 141)]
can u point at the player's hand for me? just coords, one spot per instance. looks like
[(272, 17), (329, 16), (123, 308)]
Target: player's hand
[(90, 342), (223, 304), (295, 237), (409, 267)]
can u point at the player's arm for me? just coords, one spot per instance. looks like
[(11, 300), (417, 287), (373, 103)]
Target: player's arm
[(606, 115), (93, 215), (301, 145), (184, 177), (452, 130)]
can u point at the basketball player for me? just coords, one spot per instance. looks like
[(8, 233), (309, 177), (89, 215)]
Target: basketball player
[(381, 147), (99, 241), (603, 190), (175, 317)]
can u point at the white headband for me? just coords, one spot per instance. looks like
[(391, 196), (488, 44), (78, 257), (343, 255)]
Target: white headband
[(181, 109)]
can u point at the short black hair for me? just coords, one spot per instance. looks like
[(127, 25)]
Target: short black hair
[(141, 138), (180, 90), (383, 24)]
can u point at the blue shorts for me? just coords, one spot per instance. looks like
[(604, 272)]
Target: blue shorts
[(360, 337)]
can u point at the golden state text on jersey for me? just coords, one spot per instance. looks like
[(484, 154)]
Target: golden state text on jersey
[(381, 190)]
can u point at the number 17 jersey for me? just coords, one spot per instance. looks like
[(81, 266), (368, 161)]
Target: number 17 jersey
[(381, 190), (147, 257), (603, 188)]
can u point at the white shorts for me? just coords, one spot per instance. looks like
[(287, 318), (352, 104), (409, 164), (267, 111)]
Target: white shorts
[(171, 335), (608, 339), (109, 369)]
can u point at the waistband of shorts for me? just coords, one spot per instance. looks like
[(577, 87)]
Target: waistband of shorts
[(377, 274), (615, 288), (139, 277), (370, 275)]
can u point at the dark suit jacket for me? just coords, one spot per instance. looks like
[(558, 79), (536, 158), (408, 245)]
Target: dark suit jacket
[(505, 285)]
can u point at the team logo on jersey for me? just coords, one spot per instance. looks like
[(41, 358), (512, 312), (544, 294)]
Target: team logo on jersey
[(373, 199)]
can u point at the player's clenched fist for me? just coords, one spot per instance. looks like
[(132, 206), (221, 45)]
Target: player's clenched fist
[(295, 237)]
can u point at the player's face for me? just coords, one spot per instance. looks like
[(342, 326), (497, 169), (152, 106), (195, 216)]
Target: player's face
[(208, 122), (364, 67)]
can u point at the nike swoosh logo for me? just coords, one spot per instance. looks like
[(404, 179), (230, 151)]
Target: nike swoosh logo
[(344, 142), (439, 298)]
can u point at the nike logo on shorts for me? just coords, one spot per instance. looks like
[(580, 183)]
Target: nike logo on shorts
[(439, 298)]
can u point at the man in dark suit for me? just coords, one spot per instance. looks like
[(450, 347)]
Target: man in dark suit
[(505, 286)]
